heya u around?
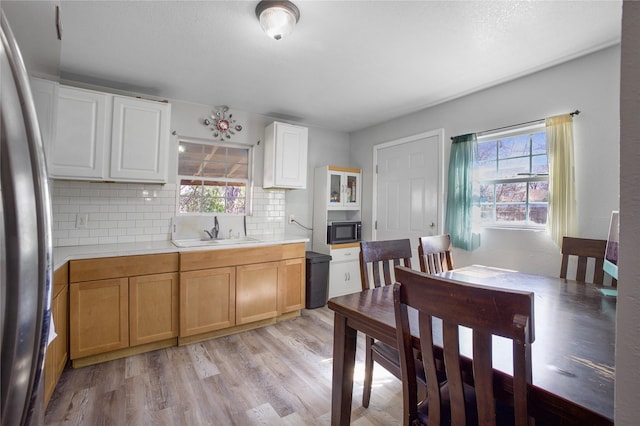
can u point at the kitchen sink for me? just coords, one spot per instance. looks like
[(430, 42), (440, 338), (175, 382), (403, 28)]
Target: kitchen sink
[(213, 241)]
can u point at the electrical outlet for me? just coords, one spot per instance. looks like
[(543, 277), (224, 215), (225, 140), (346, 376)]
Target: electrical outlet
[(291, 218), (82, 219)]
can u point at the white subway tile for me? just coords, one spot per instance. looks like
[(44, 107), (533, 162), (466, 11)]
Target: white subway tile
[(62, 242), (99, 233), (107, 240)]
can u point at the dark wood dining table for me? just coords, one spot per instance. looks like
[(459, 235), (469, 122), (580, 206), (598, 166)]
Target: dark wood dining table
[(572, 355)]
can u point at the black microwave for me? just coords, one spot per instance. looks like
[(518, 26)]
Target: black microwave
[(343, 232)]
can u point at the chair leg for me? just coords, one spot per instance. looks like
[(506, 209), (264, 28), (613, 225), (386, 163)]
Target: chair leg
[(368, 372)]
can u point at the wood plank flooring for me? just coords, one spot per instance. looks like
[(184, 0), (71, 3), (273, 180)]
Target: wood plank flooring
[(276, 375)]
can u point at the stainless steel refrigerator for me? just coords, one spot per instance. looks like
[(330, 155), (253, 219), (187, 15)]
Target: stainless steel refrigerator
[(25, 242)]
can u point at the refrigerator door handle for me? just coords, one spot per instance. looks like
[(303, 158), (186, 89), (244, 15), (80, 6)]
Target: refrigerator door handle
[(26, 269)]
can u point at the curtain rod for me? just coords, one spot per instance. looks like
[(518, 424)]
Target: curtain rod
[(576, 112)]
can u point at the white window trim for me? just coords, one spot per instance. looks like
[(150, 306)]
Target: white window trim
[(250, 178)]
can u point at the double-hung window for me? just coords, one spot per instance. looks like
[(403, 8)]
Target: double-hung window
[(213, 177), (513, 174)]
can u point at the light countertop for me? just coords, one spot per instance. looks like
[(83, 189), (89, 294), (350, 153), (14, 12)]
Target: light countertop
[(61, 255)]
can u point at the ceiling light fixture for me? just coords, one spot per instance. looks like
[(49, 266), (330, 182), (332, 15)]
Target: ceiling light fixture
[(277, 18)]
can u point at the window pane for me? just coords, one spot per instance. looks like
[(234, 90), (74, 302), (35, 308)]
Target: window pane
[(487, 170), (511, 167), (539, 164), (511, 212), (238, 171), (487, 151), (516, 146), (538, 213), (213, 197), (190, 150), (214, 153), (487, 212), (190, 195), (214, 169), (188, 166), (508, 192), (539, 192), (236, 195), (539, 143), (486, 193), (238, 155)]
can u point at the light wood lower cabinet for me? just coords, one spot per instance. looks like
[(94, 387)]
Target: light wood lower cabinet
[(58, 350), (207, 300), (124, 305), (99, 316), (291, 285), (256, 292), (132, 304), (268, 282), (153, 308)]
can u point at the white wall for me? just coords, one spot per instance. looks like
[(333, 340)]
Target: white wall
[(590, 84), (627, 409)]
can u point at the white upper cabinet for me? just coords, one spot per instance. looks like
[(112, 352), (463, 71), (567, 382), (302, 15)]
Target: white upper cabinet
[(285, 156), (342, 188), (92, 135), (81, 132), (139, 140)]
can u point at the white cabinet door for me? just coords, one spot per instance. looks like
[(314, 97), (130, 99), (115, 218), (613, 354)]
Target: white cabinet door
[(352, 190), (343, 188), (81, 131), (140, 140), (285, 157), (344, 271), (344, 278)]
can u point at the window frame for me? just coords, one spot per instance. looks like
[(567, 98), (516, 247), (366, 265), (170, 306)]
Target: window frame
[(533, 177), (249, 181)]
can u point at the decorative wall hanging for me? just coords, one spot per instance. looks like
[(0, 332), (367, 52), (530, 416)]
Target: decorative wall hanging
[(223, 126)]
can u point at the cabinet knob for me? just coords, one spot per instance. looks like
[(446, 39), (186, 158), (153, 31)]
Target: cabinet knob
[(432, 225)]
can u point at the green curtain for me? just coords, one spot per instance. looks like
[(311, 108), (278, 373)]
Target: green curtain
[(460, 192)]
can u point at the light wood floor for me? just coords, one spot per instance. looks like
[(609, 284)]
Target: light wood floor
[(276, 375)]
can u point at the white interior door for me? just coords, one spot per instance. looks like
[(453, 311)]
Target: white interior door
[(409, 188)]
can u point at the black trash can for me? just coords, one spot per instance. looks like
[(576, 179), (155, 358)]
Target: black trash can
[(317, 288)]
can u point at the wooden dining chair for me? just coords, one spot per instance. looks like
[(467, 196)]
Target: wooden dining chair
[(377, 260), (487, 312), (584, 248), (435, 253)]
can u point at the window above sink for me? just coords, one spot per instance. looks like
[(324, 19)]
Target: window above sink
[(214, 177)]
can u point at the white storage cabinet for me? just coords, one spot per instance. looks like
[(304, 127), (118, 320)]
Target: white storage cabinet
[(342, 188), (344, 270), (92, 135), (285, 156)]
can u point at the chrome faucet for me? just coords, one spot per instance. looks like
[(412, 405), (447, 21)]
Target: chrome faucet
[(213, 233)]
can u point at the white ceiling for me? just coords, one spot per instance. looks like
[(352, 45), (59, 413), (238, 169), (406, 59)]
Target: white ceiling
[(347, 65)]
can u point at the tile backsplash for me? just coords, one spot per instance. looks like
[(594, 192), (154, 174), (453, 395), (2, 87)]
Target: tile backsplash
[(132, 212)]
